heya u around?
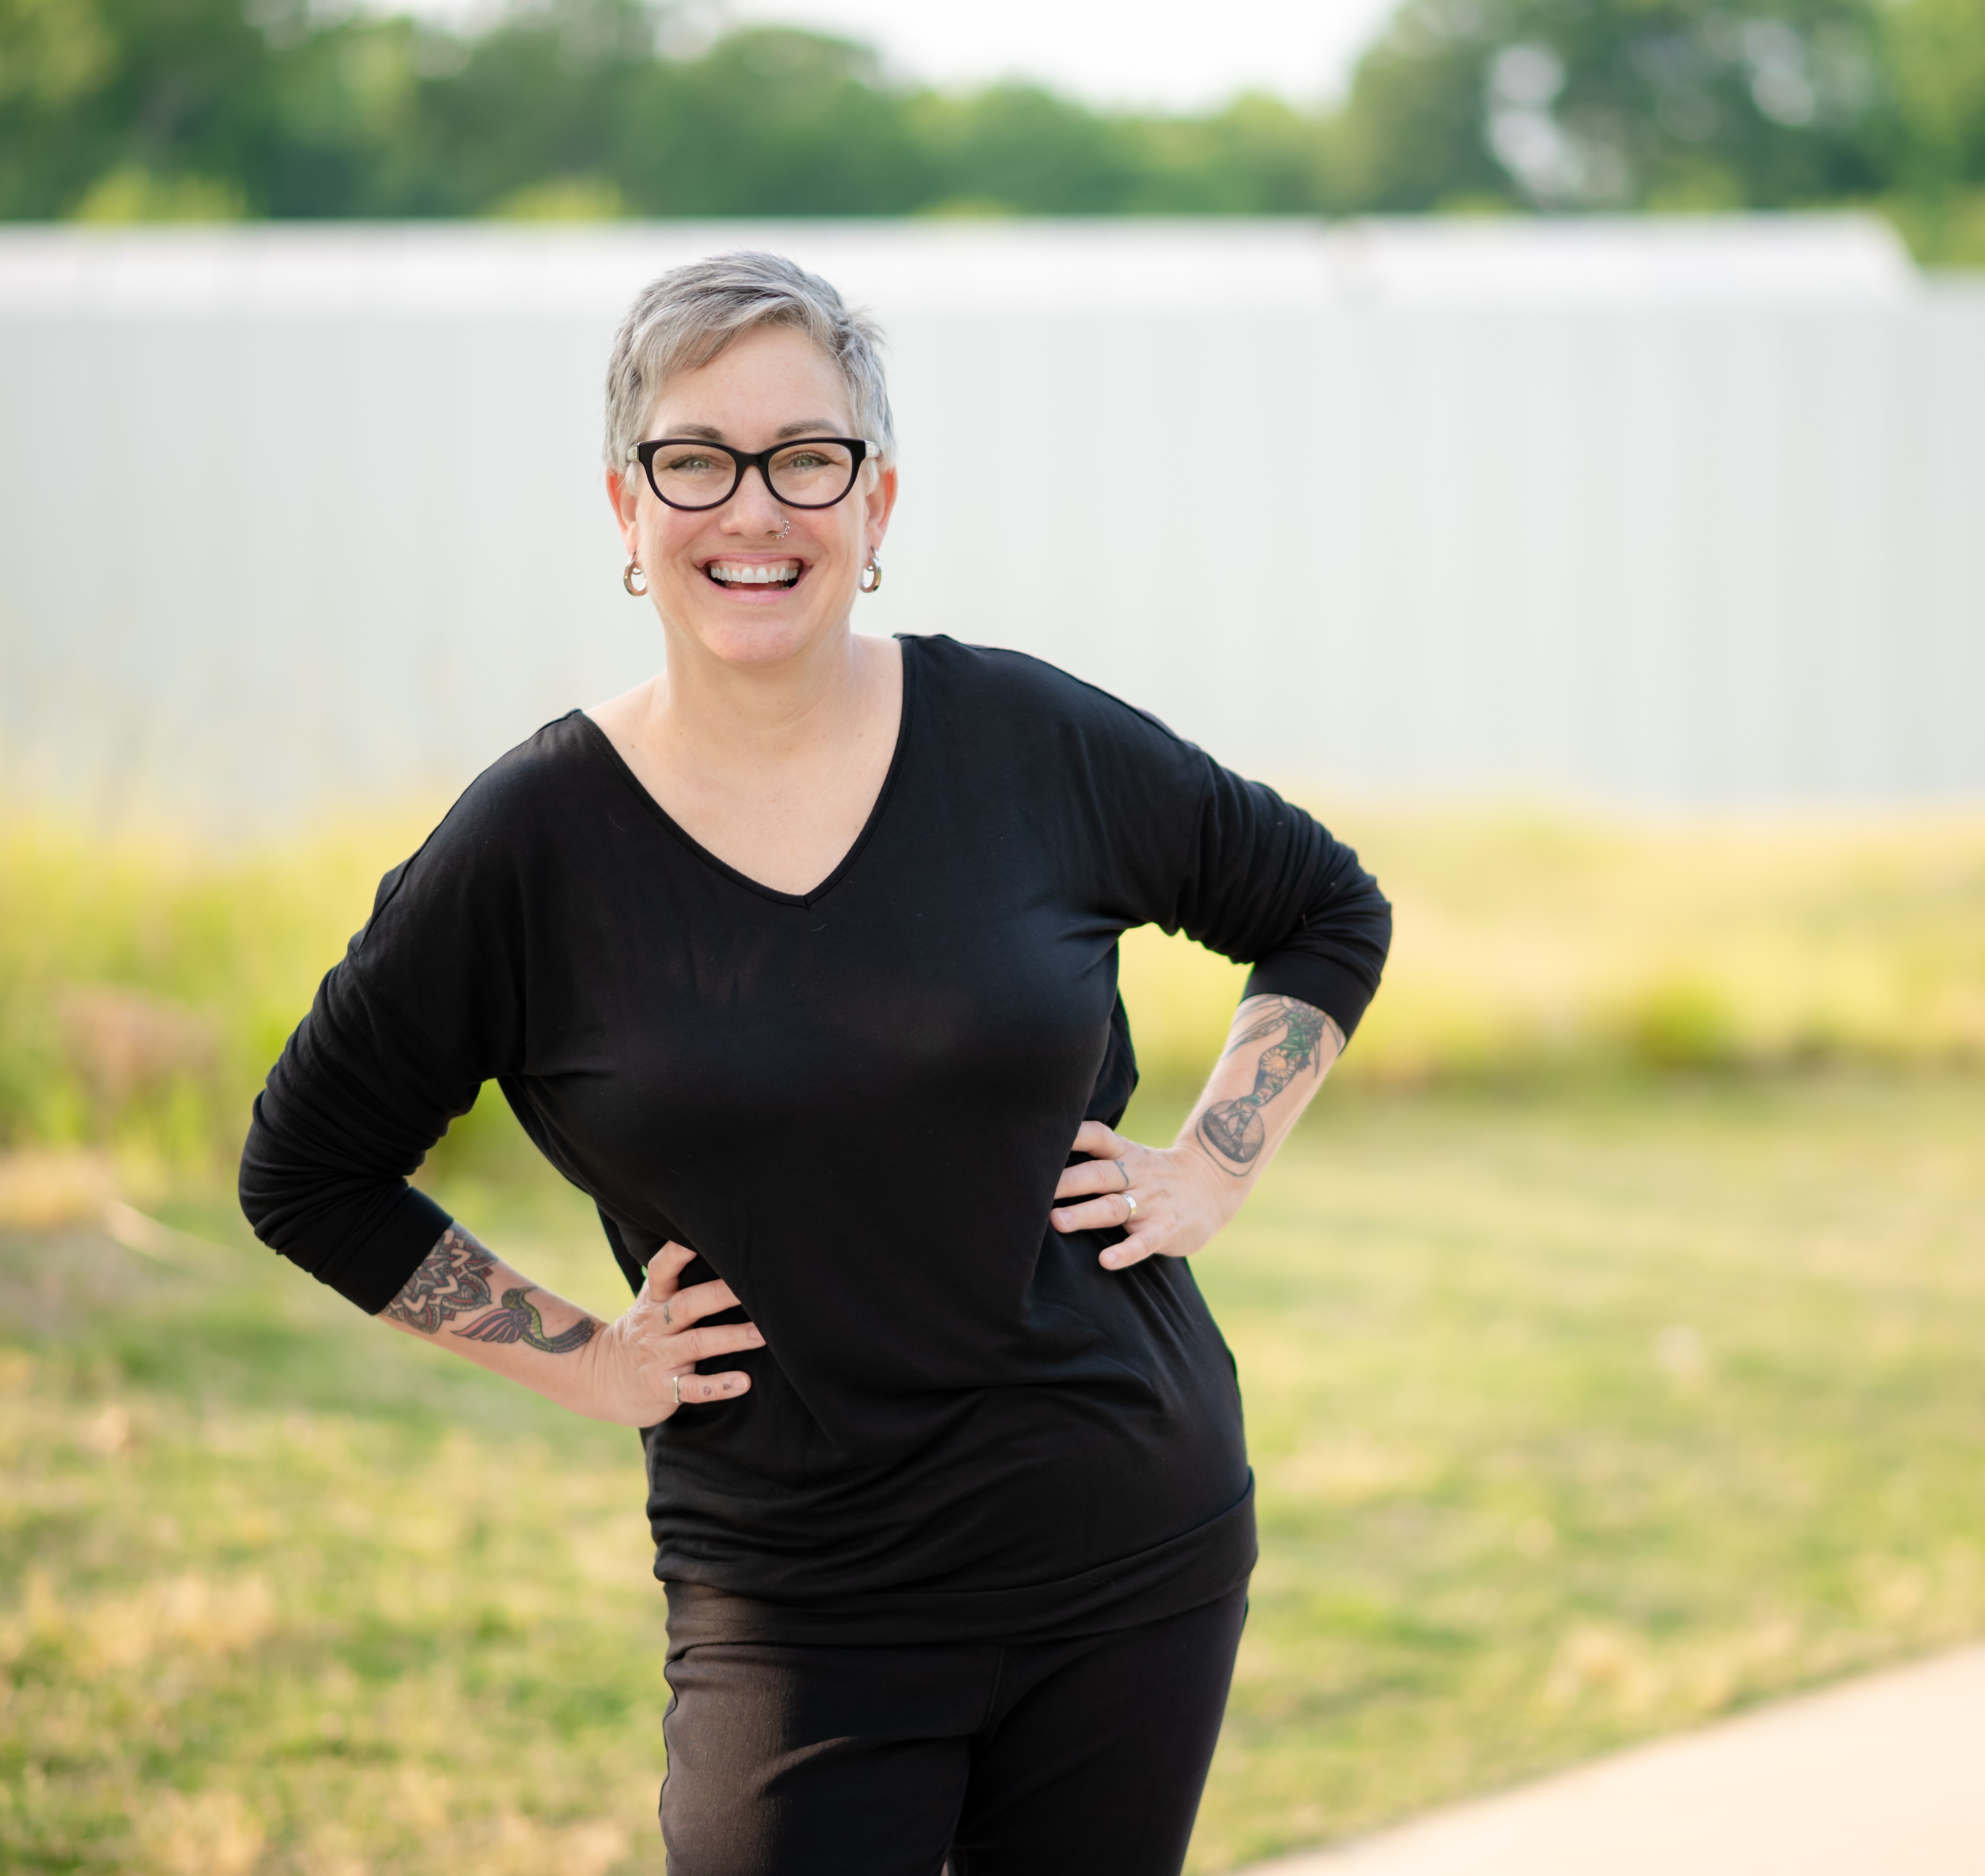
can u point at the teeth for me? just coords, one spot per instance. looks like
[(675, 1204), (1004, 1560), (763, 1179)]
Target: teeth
[(753, 573)]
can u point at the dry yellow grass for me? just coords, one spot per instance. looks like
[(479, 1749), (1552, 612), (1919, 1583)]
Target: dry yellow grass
[(1539, 942), (146, 982)]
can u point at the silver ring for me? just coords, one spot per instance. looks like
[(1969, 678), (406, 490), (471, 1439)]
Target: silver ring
[(1125, 1196), (675, 1381)]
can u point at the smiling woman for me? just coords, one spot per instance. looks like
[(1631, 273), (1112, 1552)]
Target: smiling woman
[(801, 958)]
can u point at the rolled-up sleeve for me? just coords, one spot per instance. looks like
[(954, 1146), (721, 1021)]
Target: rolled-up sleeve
[(1267, 884), (1184, 844), (420, 1011), (348, 1115)]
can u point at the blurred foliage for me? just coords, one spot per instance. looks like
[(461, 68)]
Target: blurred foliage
[(146, 983), (205, 109)]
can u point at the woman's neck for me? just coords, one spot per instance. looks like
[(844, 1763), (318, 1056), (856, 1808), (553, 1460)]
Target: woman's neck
[(775, 771), (722, 716)]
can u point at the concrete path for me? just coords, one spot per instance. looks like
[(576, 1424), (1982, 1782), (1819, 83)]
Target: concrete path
[(1884, 1776)]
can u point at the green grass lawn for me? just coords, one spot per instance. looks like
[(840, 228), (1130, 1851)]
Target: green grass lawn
[(1580, 1414)]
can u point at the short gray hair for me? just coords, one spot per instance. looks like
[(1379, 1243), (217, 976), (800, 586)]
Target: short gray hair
[(684, 320)]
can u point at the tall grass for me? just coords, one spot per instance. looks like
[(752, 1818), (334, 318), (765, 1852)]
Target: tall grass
[(1529, 943), (147, 978), (146, 981)]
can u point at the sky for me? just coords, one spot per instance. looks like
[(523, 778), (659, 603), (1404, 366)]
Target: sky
[(1178, 54)]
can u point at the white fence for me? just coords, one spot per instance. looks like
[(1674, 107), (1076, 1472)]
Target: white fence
[(1664, 511)]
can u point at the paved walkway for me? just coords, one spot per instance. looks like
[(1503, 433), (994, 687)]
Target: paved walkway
[(1884, 1776)]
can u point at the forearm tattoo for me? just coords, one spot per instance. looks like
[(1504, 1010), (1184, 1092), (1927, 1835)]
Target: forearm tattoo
[(1233, 1131), (453, 1280), (516, 1319)]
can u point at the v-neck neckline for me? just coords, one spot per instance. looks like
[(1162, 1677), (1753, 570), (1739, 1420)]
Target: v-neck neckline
[(604, 745)]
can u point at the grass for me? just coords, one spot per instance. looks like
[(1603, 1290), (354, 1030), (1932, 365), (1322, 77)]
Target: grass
[(288, 1595), (1581, 1417), (1609, 1335), (1549, 944), (1579, 1414), (146, 982)]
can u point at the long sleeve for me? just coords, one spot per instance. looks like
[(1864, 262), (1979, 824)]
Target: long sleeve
[(420, 1011), (348, 1114), (1269, 886), (1165, 835)]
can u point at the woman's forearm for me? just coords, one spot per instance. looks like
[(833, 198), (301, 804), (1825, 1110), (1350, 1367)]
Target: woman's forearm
[(1173, 1202), (634, 1371), (1278, 1052), (465, 1298)]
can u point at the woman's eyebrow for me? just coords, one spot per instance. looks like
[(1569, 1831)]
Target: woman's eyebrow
[(807, 426)]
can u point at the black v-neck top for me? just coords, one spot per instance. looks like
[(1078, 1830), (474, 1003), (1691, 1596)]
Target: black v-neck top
[(853, 1103)]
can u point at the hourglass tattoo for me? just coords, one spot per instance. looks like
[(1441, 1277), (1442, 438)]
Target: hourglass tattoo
[(453, 1280), (1233, 1131)]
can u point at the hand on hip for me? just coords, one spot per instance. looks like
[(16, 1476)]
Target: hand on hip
[(1169, 1202)]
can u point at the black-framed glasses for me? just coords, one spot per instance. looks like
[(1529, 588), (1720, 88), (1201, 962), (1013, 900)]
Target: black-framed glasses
[(810, 472)]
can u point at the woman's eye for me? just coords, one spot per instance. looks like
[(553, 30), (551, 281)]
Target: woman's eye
[(804, 459), (689, 466)]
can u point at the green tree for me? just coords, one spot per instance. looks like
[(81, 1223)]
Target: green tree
[(1613, 103), (130, 108), (1936, 60), (92, 90)]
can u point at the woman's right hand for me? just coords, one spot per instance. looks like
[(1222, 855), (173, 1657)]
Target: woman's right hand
[(643, 1363)]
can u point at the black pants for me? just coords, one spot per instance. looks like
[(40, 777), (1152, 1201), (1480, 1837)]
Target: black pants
[(1020, 1759)]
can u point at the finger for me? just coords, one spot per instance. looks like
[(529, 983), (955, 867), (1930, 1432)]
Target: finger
[(685, 1306), (1092, 1176), (1134, 1250), (666, 1266), (1098, 1141), (698, 1390), (1094, 1213), (704, 1344)]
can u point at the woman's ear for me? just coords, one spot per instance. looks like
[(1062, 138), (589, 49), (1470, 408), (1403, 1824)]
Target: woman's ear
[(624, 494), (881, 503)]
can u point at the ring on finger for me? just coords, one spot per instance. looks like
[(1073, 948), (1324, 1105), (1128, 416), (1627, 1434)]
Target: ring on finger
[(675, 1381), (1131, 1204)]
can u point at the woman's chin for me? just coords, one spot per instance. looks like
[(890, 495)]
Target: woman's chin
[(760, 635)]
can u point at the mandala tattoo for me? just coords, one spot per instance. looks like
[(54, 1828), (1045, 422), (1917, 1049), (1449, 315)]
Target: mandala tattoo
[(516, 1319), (453, 1279), (1233, 1131)]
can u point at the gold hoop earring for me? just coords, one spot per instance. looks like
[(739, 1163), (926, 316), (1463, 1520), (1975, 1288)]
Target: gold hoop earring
[(871, 576), (627, 580)]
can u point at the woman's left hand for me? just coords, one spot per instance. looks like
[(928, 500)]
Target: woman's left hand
[(1170, 1201)]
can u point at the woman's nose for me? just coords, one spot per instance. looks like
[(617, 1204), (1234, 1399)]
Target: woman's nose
[(753, 509)]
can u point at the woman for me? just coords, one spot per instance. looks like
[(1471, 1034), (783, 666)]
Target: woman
[(801, 958)]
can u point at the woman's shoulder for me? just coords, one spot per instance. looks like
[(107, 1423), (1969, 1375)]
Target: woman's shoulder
[(514, 815), (983, 677), (555, 759)]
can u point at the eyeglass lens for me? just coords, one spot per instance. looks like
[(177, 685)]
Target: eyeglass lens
[(808, 475)]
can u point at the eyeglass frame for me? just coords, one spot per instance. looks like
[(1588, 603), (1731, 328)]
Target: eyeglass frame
[(860, 447)]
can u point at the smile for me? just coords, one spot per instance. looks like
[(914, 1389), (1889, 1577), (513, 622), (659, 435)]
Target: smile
[(753, 573)]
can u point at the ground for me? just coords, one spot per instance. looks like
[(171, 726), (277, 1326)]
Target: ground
[(1581, 1409)]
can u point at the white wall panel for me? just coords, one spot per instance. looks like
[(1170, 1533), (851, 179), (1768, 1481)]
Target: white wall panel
[(288, 517)]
